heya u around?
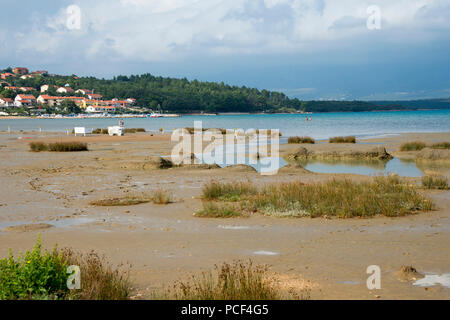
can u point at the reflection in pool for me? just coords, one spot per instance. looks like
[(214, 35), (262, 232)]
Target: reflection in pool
[(401, 167)]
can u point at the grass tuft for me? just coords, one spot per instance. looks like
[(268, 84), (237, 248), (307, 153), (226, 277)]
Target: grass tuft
[(59, 146), (441, 145), (387, 196), (162, 197), (413, 146), (236, 281), (100, 131), (301, 140), (99, 279), (133, 130), (38, 146), (349, 139), (218, 210), (434, 182), (214, 190)]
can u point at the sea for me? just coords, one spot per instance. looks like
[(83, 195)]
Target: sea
[(321, 125)]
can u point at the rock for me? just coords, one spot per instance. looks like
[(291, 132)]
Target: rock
[(408, 273), (379, 153)]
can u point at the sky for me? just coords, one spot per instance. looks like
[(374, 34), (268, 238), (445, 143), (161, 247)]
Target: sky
[(310, 49)]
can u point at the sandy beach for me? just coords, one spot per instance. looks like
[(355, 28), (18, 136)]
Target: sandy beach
[(49, 193)]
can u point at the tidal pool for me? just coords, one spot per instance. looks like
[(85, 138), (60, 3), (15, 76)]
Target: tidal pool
[(370, 168)]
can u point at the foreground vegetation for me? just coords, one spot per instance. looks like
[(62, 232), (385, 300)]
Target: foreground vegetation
[(58, 146), (388, 196), (42, 275), (349, 139), (236, 281)]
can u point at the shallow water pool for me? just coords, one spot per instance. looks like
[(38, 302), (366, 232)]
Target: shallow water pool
[(400, 167)]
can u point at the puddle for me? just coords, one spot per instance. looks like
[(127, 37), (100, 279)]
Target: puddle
[(351, 282), (434, 279), (400, 167), (266, 253)]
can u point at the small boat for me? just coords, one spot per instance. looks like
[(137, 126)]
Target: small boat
[(155, 115)]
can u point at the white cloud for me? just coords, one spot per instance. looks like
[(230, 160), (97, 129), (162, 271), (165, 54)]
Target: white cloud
[(156, 30)]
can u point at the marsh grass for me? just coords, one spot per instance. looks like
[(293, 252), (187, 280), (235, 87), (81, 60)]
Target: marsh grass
[(349, 139), (236, 281), (73, 146), (213, 209), (413, 146), (38, 146), (133, 130), (233, 191), (441, 145), (388, 196), (42, 275), (435, 182), (162, 197), (301, 140), (99, 279), (100, 131)]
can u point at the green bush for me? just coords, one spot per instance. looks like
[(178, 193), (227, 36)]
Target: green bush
[(42, 275), (35, 275)]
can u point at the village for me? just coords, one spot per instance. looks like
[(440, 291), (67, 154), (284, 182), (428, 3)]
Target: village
[(24, 97)]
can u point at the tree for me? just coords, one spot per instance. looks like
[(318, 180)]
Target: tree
[(68, 106)]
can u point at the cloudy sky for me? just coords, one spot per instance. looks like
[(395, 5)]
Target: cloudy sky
[(311, 49)]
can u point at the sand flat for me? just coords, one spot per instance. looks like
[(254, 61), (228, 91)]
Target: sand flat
[(165, 243)]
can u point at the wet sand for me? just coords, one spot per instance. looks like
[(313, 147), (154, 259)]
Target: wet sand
[(49, 193)]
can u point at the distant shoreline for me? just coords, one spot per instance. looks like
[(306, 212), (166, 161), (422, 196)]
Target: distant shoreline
[(206, 114)]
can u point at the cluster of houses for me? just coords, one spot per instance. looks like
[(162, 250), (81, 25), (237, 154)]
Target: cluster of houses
[(87, 100)]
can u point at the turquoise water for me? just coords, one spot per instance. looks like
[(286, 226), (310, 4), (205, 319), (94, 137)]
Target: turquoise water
[(322, 126)]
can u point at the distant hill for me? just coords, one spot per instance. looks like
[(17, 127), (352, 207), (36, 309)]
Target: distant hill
[(184, 96), (417, 104)]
